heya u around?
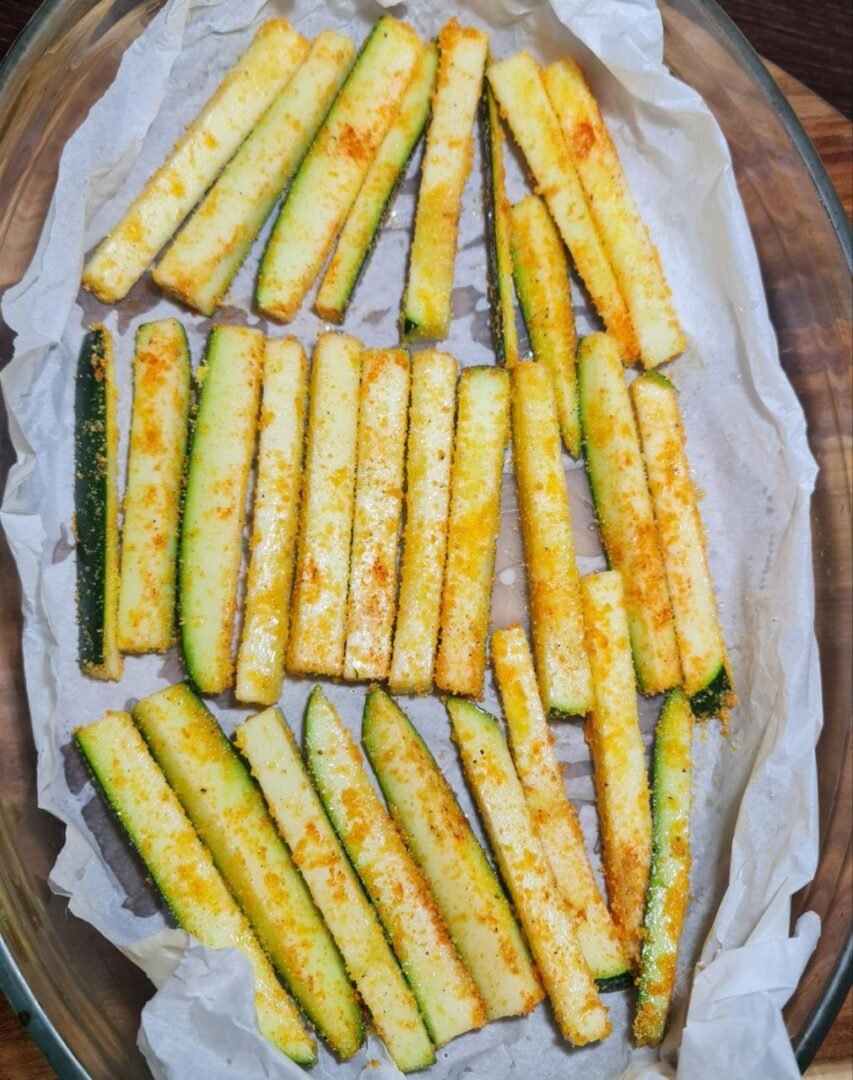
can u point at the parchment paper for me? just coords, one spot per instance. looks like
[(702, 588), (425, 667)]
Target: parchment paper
[(754, 831)]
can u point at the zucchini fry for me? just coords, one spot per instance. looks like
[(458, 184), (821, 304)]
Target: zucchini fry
[(498, 229), (334, 168), (553, 583), (205, 147), (447, 162), (635, 259), (482, 428), (361, 228), (266, 608), (544, 292), (266, 742), (162, 378), (200, 266), (543, 912), (613, 734), (183, 870), (707, 675), (428, 454), (382, 413), (669, 883), (447, 995), (625, 515), (318, 608), (517, 83), (96, 506), (554, 817)]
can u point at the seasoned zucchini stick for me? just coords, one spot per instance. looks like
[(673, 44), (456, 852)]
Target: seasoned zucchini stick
[(266, 607), (669, 883), (554, 817), (448, 998), (463, 883), (707, 675), (517, 83), (183, 870), (498, 229), (229, 814), (428, 454), (96, 506), (625, 515), (329, 178), (201, 264), (544, 292), (634, 258), (223, 445), (446, 165), (382, 412), (266, 742), (553, 584), (208, 143), (613, 734), (162, 378), (482, 427), (319, 602), (543, 912), (361, 228)]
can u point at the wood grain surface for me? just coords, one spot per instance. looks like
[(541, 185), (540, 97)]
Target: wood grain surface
[(814, 43)]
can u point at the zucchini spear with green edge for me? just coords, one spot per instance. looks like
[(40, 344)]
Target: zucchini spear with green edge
[(376, 194), (542, 910), (554, 817), (669, 883), (463, 883), (96, 506), (267, 744), (447, 995), (707, 676), (624, 508), (229, 814), (183, 870)]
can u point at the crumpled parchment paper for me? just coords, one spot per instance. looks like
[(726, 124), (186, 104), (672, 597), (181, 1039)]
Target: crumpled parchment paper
[(754, 830)]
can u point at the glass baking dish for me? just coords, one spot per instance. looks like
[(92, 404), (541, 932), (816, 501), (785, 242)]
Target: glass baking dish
[(80, 998)]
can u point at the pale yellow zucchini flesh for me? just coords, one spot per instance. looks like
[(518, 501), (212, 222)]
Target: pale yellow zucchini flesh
[(634, 258), (267, 744), (183, 870), (463, 883), (446, 165), (278, 483), (613, 734), (447, 995), (482, 428), (428, 455), (623, 505), (335, 166), (554, 817), (545, 295), (707, 675), (542, 910), (199, 266), (517, 83), (229, 814), (382, 414), (553, 583), (205, 147), (319, 601)]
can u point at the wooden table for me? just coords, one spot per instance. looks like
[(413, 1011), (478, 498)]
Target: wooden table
[(832, 136)]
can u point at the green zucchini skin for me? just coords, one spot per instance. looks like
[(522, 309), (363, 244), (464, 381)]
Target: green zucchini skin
[(714, 697), (497, 231)]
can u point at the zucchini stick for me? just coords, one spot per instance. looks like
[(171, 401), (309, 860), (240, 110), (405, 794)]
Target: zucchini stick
[(266, 607), (482, 428), (382, 412), (498, 229), (205, 147), (613, 734), (635, 259)]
